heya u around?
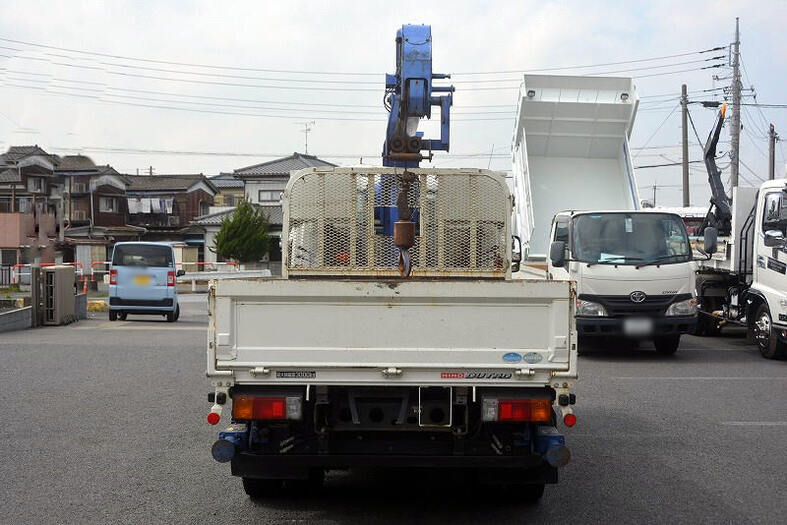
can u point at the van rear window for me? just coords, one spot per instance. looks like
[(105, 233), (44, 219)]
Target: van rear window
[(142, 255)]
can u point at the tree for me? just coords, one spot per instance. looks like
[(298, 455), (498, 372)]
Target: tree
[(243, 235)]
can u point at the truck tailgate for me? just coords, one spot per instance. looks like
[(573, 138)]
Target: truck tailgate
[(408, 332)]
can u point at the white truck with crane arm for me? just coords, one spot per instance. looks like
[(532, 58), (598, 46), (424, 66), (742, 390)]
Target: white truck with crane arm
[(742, 280), (398, 334), (577, 212)]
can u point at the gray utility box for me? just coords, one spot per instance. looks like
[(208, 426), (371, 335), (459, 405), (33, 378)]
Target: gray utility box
[(58, 294)]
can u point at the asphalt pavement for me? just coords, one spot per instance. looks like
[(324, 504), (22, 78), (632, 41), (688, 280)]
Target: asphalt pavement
[(105, 422)]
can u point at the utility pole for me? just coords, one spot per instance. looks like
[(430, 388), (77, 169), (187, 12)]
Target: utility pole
[(150, 171), (735, 123), (684, 103), (772, 138), (654, 195)]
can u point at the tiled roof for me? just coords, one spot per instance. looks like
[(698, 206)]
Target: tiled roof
[(165, 182), (282, 167), (76, 163), (16, 153), (9, 175), (274, 214), (226, 180)]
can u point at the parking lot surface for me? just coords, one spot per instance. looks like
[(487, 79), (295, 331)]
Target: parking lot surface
[(105, 422)]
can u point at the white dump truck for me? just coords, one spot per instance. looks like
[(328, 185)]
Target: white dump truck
[(342, 362), (578, 216)]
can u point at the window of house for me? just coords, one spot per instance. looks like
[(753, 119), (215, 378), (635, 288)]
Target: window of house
[(229, 200), (108, 205), (35, 184), (268, 196), (204, 208)]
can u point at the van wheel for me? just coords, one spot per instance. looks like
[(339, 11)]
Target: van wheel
[(262, 488), (667, 345), (122, 316), (765, 336), (173, 316), (113, 315)]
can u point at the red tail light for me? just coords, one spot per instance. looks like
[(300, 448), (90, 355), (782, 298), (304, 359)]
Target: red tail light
[(170, 278), (524, 410), (113, 276), (248, 407)]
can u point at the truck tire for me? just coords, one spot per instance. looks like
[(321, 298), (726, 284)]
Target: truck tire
[(765, 336), (113, 315), (667, 345), (262, 488), (531, 494), (122, 316)]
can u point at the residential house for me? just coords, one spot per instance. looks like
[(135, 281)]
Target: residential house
[(231, 190), (265, 184), (94, 209), (28, 200), (165, 205)]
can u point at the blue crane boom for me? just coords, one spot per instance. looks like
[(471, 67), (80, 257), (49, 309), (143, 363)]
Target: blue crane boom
[(410, 95)]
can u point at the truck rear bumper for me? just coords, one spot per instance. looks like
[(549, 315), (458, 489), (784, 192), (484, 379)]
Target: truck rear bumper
[(613, 326), (528, 469)]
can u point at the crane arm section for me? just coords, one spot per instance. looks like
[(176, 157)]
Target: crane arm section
[(410, 96)]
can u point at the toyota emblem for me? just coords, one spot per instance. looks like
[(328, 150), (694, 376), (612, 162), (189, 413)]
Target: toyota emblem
[(637, 297)]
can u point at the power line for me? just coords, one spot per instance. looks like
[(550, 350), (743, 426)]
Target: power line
[(659, 127), (313, 72)]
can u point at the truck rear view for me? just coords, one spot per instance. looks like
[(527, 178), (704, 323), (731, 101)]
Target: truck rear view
[(344, 363)]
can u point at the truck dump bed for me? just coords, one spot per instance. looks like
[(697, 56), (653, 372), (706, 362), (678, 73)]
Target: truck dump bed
[(473, 332), (571, 151)]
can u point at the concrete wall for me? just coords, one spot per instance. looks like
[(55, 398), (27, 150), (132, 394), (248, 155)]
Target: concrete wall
[(19, 319)]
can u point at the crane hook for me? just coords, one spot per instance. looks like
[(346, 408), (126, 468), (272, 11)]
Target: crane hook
[(405, 266)]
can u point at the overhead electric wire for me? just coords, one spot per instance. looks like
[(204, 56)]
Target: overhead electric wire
[(588, 66), (659, 126), (349, 73)]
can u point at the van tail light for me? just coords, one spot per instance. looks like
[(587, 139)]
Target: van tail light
[(270, 408), (517, 410), (113, 276), (170, 278)]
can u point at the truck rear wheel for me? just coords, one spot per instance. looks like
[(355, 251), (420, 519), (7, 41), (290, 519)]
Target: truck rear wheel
[(765, 336), (667, 345), (262, 488), (531, 493), (113, 315)]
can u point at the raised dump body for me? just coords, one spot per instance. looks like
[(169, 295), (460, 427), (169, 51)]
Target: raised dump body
[(571, 151), (342, 363)]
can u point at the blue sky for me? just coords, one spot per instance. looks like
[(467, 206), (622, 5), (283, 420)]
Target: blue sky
[(68, 101)]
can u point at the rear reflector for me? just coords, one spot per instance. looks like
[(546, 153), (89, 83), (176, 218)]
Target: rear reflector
[(524, 410), (570, 420), (213, 418)]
